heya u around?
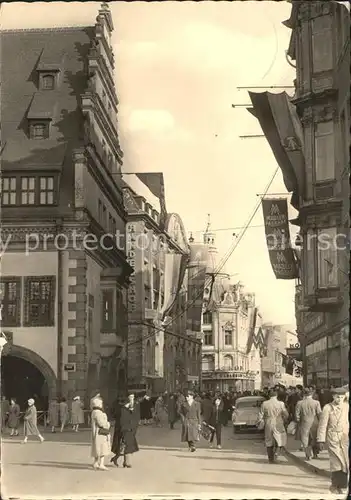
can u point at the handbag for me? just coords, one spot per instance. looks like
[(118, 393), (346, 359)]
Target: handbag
[(103, 432), (260, 425), (292, 427)]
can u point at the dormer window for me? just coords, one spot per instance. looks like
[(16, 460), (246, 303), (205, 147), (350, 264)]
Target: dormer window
[(39, 129), (47, 81)]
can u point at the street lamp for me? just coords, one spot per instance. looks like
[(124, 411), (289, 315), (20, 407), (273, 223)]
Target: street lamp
[(3, 342)]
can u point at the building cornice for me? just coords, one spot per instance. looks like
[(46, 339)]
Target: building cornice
[(91, 103), (105, 181)]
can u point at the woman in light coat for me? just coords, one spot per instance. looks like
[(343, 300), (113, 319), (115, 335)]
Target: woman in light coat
[(14, 417), (333, 430), (30, 422), (77, 413), (160, 412), (100, 438), (274, 415), (64, 414), (54, 414)]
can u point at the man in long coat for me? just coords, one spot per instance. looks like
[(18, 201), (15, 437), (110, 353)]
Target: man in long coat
[(333, 430), (274, 415), (191, 425), (307, 414)]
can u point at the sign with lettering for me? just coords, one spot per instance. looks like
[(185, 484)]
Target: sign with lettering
[(275, 215), (131, 249), (312, 321), (69, 367)]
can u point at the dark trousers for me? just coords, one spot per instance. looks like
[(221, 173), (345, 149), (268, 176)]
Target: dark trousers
[(270, 453), (339, 479), (191, 444), (218, 432)]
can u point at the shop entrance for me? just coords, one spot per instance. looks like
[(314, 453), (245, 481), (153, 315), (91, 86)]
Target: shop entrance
[(23, 380)]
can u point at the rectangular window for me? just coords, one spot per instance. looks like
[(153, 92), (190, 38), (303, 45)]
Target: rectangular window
[(27, 190), (11, 301), (322, 44), (8, 191), (207, 318), (156, 299), (147, 297), (309, 246), (48, 82), (40, 301), (101, 212), (324, 161), (228, 337), (39, 130), (327, 258), (208, 338), (46, 190), (107, 310)]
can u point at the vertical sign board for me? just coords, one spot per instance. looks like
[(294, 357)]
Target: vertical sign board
[(134, 310), (196, 286), (276, 223)]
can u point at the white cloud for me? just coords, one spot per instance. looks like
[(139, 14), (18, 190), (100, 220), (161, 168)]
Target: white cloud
[(153, 120)]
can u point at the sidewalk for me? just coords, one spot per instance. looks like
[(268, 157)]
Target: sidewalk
[(318, 465)]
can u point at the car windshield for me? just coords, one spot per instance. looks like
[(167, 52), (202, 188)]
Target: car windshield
[(254, 403)]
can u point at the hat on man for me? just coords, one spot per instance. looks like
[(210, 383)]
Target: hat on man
[(76, 398), (308, 391), (31, 402), (339, 390)]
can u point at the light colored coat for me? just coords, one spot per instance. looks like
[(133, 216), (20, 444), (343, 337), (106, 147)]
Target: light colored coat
[(273, 412), (77, 412), (307, 413), (30, 422), (54, 410), (64, 414), (100, 445), (333, 429)]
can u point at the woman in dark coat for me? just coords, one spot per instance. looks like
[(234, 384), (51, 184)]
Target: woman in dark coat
[(124, 439), (115, 414)]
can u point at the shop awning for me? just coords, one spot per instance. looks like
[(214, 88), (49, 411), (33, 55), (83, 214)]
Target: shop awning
[(282, 129)]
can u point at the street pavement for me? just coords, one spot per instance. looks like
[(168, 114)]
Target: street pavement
[(61, 467)]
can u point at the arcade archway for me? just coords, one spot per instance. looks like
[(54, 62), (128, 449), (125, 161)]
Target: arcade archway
[(26, 375)]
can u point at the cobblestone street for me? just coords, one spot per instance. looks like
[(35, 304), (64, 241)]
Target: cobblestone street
[(61, 467)]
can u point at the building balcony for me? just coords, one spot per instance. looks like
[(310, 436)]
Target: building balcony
[(108, 343), (323, 300)]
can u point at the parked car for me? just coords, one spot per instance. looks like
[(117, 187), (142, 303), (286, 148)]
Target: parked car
[(246, 411)]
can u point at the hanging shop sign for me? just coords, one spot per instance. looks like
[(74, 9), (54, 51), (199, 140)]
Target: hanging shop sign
[(276, 222), (131, 248)]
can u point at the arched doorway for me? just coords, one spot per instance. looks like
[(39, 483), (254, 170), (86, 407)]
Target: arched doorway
[(23, 377)]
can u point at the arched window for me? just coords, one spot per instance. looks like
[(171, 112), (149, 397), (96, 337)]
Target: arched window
[(228, 362), (207, 363), (48, 82)]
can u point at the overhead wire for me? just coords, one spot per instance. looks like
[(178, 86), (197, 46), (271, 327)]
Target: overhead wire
[(213, 275)]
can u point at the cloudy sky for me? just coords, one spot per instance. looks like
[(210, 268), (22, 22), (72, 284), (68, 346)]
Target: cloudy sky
[(178, 66)]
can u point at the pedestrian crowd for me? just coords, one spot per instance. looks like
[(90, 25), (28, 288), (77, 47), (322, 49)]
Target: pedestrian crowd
[(318, 418)]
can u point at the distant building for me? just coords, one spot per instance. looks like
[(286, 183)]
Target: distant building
[(64, 278), (228, 361), (276, 365), (162, 356)]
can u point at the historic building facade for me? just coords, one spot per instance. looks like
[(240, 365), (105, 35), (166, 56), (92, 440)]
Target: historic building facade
[(162, 354), (320, 45), (230, 358), (310, 138), (64, 273)]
